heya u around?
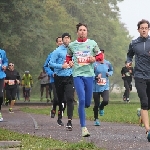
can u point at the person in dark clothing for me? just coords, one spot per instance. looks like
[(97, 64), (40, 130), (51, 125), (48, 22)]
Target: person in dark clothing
[(11, 80), (140, 47), (63, 80), (127, 74)]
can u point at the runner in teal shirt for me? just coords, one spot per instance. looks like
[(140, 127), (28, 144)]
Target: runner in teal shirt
[(85, 52)]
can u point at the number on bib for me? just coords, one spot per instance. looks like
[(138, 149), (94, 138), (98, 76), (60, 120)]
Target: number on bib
[(101, 81)]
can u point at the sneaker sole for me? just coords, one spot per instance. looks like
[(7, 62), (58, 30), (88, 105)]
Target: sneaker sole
[(60, 125), (69, 128), (96, 124), (87, 135)]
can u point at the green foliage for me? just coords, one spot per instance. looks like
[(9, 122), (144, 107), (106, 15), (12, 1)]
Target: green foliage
[(28, 30)]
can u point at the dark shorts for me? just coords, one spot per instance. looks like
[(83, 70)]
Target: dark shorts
[(44, 85)]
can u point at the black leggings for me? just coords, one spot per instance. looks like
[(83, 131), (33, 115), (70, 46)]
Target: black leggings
[(64, 88), (96, 96), (143, 90), (127, 84)]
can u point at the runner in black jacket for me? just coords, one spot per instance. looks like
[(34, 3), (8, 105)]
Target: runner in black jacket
[(11, 80), (127, 74)]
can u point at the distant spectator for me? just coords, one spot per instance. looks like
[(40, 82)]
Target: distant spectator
[(27, 83), (44, 81)]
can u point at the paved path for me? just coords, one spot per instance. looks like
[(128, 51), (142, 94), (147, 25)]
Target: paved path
[(112, 136)]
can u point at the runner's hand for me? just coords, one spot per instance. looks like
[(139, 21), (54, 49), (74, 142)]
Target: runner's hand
[(4, 68), (99, 76), (18, 81), (71, 63), (65, 66), (6, 81), (92, 59)]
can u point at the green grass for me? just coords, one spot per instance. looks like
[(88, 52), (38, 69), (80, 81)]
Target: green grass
[(114, 112), (30, 142)]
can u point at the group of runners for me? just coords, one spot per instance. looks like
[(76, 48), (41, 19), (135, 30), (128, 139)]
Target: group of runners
[(80, 67)]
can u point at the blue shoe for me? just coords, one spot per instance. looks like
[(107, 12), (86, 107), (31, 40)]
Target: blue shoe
[(148, 136), (101, 112), (96, 122)]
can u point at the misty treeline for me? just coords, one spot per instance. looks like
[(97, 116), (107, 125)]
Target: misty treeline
[(28, 29)]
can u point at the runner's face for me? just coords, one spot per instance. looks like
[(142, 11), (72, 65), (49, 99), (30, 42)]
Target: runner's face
[(82, 32), (59, 42), (11, 66), (143, 30), (66, 40)]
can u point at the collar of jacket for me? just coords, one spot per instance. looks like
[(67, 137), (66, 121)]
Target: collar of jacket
[(143, 39)]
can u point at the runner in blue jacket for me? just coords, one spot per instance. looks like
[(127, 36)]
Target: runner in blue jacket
[(50, 72), (103, 69), (3, 65)]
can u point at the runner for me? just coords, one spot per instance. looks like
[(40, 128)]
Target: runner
[(84, 52), (103, 69), (127, 74), (44, 80), (3, 65), (63, 80), (140, 47), (11, 80), (27, 83), (50, 72)]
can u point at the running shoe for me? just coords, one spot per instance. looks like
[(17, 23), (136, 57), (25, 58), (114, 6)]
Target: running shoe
[(148, 135), (69, 125), (1, 118), (96, 122), (59, 122), (85, 132), (10, 110)]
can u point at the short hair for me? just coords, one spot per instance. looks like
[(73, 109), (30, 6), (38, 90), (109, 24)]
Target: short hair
[(80, 24), (102, 50), (58, 38), (11, 63), (66, 34), (143, 21)]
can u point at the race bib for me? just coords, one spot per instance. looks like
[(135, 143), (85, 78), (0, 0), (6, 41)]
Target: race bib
[(101, 81), (83, 57), (83, 60), (11, 82), (127, 74)]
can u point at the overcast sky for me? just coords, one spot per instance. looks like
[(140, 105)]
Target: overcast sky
[(132, 11)]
